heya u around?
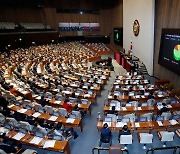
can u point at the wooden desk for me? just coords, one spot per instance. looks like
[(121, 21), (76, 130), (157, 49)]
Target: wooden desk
[(76, 124), (140, 110), (81, 106), (59, 146), (143, 126)]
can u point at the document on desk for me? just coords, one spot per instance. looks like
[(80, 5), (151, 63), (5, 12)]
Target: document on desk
[(49, 144), (24, 92), (137, 124), (139, 108), (36, 140), (160, 123), (110, 97), (87, 95), (120, 124), (70, 120), (159, 107), (39, 97), (36, 114), (173, 122), (124, 108), (57, 102), (169, 106), (22, 110), (117, 108), (160, 95), (53, 118), (10, 106), (3, 130), (143, 96), (18, 136)]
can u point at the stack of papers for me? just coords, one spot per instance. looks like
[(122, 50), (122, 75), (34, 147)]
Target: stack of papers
[(70, 120), (36, 140), (18, 136), (110, 97), (49, 144)]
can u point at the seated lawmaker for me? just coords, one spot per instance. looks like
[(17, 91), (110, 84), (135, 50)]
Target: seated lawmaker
[(150, 96), (130, 99), (106, 135), (163, 109), (124, 131), (66, 105)]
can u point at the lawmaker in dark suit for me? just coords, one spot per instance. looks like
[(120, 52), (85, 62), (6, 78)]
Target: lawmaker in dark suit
[(42, 101), (106, 135), (164, 109), (124, 131)]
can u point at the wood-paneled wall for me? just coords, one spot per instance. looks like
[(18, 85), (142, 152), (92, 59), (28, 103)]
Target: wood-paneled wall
[(167, 15), (23, 11)]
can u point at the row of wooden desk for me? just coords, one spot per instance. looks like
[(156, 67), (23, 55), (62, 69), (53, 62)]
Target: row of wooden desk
[(77, 123), (142, 126), (141, 110), (29, 139)]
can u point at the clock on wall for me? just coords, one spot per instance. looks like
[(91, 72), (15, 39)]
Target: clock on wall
[(136, 27)]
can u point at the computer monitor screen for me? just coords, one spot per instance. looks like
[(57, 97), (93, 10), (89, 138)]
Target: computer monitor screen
[(108, 119), (143, 119), (112, 104), (73, 116), (169, 53), (161, 118), (176, 117), (125, 119), (84, 101)]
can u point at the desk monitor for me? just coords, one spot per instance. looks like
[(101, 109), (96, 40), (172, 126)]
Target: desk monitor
[(125, 120), (84, 101), (72, 100), (146, 93), (112, 104), (144, 104), (128, 104), (143, 119), (107, 119), (176, 117), (90, 92), (159, 103), (73, 116), (161, 118), (117, 93)]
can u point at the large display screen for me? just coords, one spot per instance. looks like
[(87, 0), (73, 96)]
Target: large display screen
[(118, 36), (169, 54)]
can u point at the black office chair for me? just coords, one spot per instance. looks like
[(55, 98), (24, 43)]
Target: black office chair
[(105, 139)]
